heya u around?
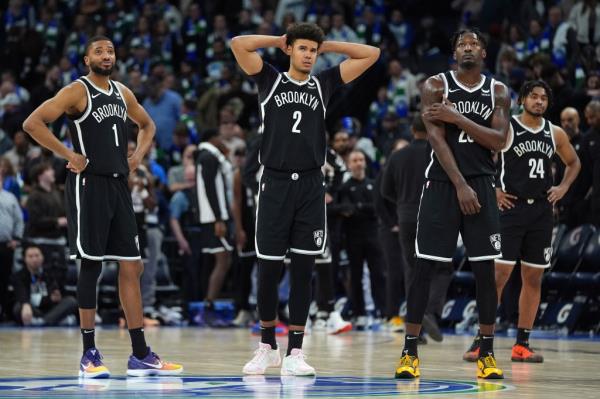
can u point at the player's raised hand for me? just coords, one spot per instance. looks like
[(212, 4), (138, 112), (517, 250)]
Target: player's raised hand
[(283, 43), (77, 163), (505, 200), (467, 200)]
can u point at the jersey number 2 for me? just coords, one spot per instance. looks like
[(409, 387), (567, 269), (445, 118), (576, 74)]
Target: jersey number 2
[(297, 117), (537, 168), (465, 138), (116, 136)]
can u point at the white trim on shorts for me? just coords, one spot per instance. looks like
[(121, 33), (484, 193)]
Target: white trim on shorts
[(485, 257), (535, 265), (506, 262)]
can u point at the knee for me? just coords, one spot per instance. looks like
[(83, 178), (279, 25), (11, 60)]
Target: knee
[(131, 270), (532, 279)]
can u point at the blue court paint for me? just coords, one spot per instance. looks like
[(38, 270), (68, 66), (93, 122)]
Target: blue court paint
[(237, 387)]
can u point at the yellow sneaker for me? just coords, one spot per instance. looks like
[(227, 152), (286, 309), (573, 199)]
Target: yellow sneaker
[(408, 367), (91, 365), (396, 324), (487, 368)]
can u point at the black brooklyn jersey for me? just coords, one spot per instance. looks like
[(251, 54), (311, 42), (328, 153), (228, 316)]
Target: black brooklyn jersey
[(526, 161), (100, 133), (293, 118), (477, 104)]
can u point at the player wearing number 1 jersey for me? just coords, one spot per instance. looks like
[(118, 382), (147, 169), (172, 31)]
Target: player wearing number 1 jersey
[(101, 221), (291, 201), (525, 197)]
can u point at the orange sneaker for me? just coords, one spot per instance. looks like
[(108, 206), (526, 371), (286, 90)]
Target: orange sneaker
[(472, 354), (522, 353)]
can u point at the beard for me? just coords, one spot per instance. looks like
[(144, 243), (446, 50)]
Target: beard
[(101, 71), (469, 64), (535, 113)]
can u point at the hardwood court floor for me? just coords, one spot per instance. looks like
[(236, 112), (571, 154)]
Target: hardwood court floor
[(356, 364)]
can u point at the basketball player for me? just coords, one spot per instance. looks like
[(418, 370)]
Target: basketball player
[(467, 117), (291, 199), (526, 197), (100, 215)]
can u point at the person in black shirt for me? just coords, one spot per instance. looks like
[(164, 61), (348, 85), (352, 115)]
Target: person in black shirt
[(590, 161), (362, 241), (466, 115), (39, 293), (291, 204), (401, 183)]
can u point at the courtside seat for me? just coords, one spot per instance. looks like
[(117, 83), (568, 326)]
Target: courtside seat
[(558, 233), (107, 289), (590, 263), (463, 274), (569, 255)]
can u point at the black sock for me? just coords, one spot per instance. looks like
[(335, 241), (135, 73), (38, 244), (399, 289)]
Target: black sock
[(267, 336), (138, 342), (410, 345), (295, 338), (89, 340), (486, 346), (523, 336)]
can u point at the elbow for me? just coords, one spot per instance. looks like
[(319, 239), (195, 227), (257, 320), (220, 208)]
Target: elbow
[(499, 145), (27, 126)]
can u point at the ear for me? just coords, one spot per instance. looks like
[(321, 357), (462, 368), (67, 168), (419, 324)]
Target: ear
[(86, 60), (454, 55), (483, 53), (288, 49)]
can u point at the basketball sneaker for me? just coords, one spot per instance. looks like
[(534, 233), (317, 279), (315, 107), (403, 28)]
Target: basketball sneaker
[(395, 324), (264, 357), (472, 354), (294, 364), (320, 323), (91, 365), (408, 367), (151, 365), (523, 353), (487, 368), (336, 324), (243, 318), (361, 323)]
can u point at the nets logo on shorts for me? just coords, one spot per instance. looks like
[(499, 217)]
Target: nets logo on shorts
[(137, 242), (547, 254), (495, 241), (318, 237)]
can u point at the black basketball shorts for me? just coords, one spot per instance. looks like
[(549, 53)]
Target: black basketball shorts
[(101, 222), (440, 220), (211, 244), (290, 214), (527, 233)]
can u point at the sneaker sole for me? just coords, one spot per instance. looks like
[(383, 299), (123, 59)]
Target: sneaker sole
[(492, 376), (285, 372), (526, 360), (153, 372), (99, 374), (406, 375), (263, 371), (342, 330)]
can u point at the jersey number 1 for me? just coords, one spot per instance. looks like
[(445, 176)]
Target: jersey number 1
[(297, 117), (116, 136)]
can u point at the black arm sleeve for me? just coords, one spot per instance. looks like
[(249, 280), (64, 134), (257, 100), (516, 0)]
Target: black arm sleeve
[(329, 79), (210, 168), (21, 285), (265, 80)]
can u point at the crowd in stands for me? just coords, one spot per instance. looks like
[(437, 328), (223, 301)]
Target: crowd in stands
[(175, 57)]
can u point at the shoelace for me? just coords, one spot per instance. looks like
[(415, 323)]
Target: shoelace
[(96, 359), (406, 360), (259, 355), (489, 362)]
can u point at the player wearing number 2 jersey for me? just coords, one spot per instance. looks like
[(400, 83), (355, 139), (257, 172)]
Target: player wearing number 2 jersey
[(525, 197), (291, 201)]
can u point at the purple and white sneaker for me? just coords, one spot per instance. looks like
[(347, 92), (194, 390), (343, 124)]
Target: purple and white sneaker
[(91, 365), (151, 365)]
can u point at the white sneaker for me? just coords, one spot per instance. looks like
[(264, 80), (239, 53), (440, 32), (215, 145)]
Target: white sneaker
[(320, 323), (294, 364), (336, 324), (242, 319), (264, 357), (361, 323)]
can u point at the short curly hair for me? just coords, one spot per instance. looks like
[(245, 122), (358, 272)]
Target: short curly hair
[(460, 32), (528, 87), (304, 30)]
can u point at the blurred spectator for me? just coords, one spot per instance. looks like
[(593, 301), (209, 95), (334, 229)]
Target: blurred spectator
[(356, 198), (13, 113), (572, 207), (584, 19), (10, 182), (39, 294), (164, 106), (11, 232), (403, 32), (391, 129), (47, 224), (46, 156), (401, 89), (590, 160), (51, 86), (564, 95), (22, 151), (176, 177), (194, 31), (558, 33)]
